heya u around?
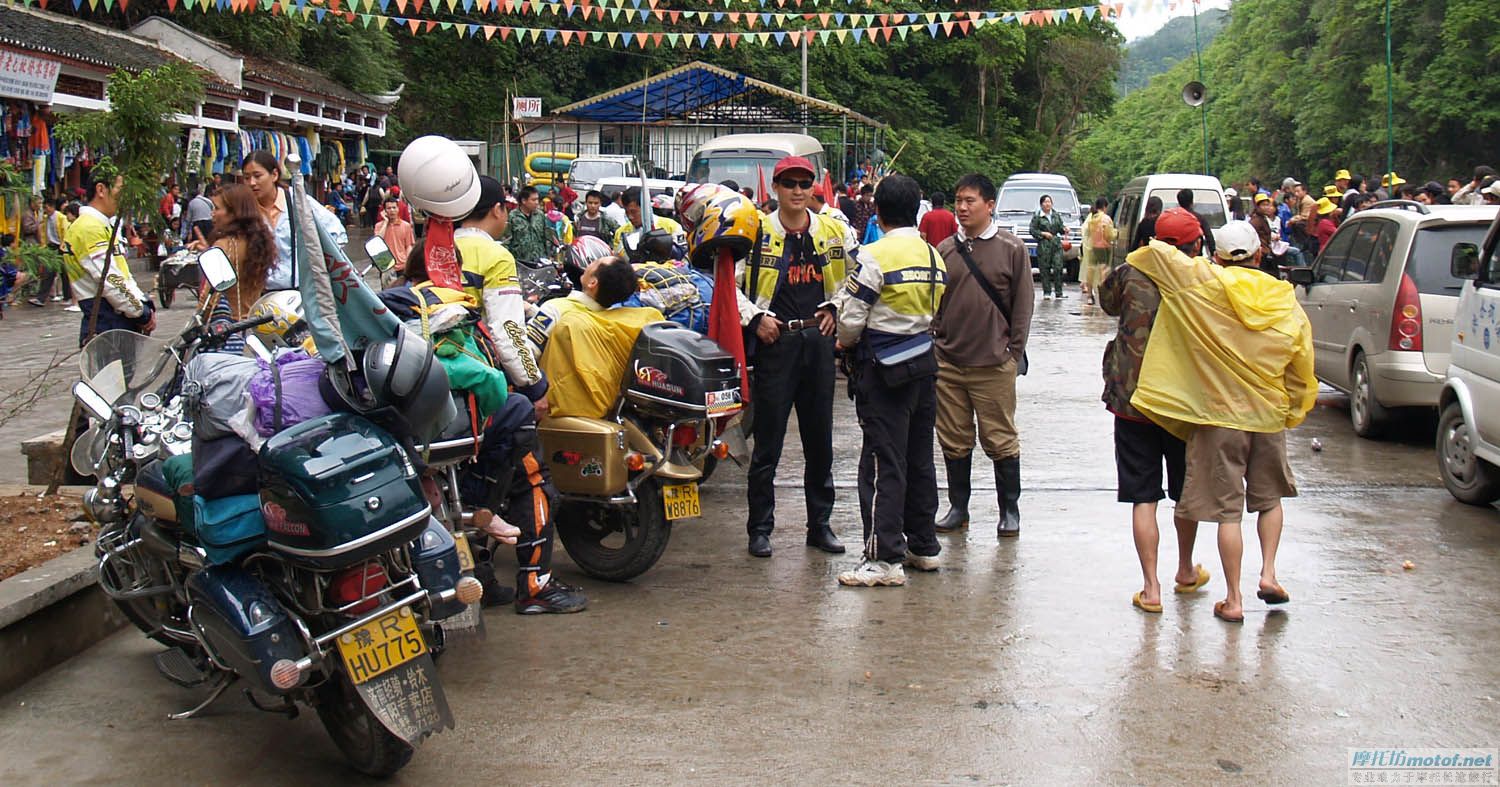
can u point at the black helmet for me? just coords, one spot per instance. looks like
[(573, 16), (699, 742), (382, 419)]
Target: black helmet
[(654, 246)]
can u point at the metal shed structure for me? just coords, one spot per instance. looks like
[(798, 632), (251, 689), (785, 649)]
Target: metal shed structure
[(663, 118)]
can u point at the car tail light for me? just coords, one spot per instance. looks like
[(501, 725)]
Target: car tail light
[(684, 436), (1406, 317), (352, 585)]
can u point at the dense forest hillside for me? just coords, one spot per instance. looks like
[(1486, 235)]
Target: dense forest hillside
[(1146, 57)]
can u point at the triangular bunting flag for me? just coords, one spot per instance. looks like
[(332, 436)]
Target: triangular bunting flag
[(489, 32), (903, 30), (614, 38)]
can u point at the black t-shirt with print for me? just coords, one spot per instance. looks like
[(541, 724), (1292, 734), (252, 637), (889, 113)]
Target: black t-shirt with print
[(800, 291)]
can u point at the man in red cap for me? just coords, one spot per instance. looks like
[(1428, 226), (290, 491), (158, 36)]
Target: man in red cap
[(1142, 447), (791, 274)]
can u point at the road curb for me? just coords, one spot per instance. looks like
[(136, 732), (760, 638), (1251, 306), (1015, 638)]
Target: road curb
[(50, 613)]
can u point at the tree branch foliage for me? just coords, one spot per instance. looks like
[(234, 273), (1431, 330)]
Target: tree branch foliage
[(137, 135), (1297, 87)]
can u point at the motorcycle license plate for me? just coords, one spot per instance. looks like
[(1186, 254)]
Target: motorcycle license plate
[(681, 501), (465, 557), (381, 645)]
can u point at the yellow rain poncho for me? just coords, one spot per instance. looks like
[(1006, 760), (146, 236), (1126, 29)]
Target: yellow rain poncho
[(586, 356), (1231, 347)]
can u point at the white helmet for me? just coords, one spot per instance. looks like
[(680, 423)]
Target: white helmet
[(436, 176)]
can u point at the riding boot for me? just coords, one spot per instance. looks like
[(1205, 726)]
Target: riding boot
[(959, 488), (1008, 484)]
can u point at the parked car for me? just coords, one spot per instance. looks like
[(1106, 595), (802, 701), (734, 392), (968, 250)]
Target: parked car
[(1130, 205), (1468, 437), (586, 171), (613, 187), (1019, 198), (1381, 298), (744, 158)]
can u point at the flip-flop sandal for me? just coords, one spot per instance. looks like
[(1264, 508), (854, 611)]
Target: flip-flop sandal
[(1136, 602), (1275, 595), (1203, 577), (1219, 613)]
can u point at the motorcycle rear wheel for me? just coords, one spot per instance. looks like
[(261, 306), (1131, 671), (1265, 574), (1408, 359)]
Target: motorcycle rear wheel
[(640, 531), (365, 742)]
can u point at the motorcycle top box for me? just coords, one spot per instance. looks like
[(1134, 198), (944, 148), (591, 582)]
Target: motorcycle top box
[(338, 489), (673, 371)]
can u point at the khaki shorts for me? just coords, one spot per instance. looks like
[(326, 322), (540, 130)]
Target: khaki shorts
[(1229, 472)]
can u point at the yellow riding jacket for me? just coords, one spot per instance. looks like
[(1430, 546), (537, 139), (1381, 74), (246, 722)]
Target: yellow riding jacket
[(828, 246), (893, 291), (1230, 347)]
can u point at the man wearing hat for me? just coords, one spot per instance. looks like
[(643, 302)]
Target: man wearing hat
[(1229, 369), (1142, 448), (793, 272), (1341, 181)]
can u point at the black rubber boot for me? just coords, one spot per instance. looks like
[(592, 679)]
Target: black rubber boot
[(1008, 485), (959, 488)]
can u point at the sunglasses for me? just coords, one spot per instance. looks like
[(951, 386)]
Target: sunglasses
[(796, 184)]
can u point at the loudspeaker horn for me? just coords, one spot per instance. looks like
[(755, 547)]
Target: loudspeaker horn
[(1193, 94)]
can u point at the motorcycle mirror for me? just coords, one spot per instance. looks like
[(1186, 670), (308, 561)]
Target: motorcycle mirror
[(218, 271), (92, 401), (380, 254)]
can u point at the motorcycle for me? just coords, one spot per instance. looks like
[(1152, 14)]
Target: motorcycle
[(324, 590), (624, 479), (179, 271)]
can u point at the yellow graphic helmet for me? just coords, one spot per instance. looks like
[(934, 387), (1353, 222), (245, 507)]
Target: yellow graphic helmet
[(716, 217)]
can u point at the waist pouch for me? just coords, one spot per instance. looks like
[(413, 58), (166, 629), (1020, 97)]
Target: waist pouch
[(904, 361)]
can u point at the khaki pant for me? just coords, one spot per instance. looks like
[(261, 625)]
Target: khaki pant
[(985, 392), (1229, 471)]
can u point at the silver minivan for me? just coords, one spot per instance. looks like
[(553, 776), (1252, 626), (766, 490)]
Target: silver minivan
[(1381, 299)]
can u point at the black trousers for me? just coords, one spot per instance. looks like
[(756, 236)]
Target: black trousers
[(796, 371), (897, 481), (512, 479)]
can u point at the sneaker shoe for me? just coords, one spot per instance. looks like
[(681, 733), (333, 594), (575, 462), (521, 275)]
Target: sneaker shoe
[(874, 573), (554, 597), (57, 299), (921, 562), (73, 307), (37, 302), (495, 594)]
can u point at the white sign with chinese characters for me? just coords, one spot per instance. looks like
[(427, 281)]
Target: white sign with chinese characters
[(24, 76), (194, 153), (526, 107)]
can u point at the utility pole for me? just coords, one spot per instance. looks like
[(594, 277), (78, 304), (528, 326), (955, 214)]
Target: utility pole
[(1390, 101), (804, 77), (1198, 48)]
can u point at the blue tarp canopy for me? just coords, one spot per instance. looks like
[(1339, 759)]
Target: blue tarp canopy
[(701, 94)]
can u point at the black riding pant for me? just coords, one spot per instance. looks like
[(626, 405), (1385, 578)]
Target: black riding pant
[(897, 481), (512, 479), (794, 372)]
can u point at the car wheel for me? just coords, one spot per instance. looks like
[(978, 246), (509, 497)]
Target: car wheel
[(1468, 478), (1365, 411)]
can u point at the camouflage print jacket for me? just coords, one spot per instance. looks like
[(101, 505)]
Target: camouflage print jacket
[(1132, 297)]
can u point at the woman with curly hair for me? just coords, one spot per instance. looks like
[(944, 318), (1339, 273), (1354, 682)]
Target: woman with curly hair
[(242, 233)]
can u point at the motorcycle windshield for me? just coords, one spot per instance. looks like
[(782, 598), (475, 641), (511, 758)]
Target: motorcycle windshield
[(121, 365)]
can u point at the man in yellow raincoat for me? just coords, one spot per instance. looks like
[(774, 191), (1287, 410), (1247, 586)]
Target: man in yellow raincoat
[(1229, 369)]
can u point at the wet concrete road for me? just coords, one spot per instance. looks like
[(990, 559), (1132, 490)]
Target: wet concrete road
[(1020, 662)]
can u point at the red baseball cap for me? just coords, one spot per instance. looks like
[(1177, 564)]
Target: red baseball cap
[(791, 163), (1178, 227)]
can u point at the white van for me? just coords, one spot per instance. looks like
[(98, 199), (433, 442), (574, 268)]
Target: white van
[(1130, 205), (1468, 437), (586, 171), (1020, 197), (743, 158)]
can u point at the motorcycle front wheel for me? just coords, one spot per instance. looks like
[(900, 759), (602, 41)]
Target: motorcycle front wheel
[(365, 742), (616, 543)]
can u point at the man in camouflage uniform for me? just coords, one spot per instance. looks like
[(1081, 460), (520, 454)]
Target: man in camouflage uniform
[(1142, 447)]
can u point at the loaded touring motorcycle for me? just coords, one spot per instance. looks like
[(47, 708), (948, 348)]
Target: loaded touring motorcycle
[(327, 584)]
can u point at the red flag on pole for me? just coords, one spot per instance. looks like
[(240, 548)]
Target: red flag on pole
[(724, 317), (761, 171)]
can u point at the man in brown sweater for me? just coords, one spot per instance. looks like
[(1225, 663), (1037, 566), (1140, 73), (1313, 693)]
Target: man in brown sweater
[(980, 335)]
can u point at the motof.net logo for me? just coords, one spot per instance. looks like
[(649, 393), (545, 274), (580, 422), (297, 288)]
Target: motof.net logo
[(1423, 766)]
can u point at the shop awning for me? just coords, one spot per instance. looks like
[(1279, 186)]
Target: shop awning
[(701, 94)]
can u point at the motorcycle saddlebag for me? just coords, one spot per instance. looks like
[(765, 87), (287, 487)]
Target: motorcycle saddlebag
[(337, 490), (244, 625), (586, 455)]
